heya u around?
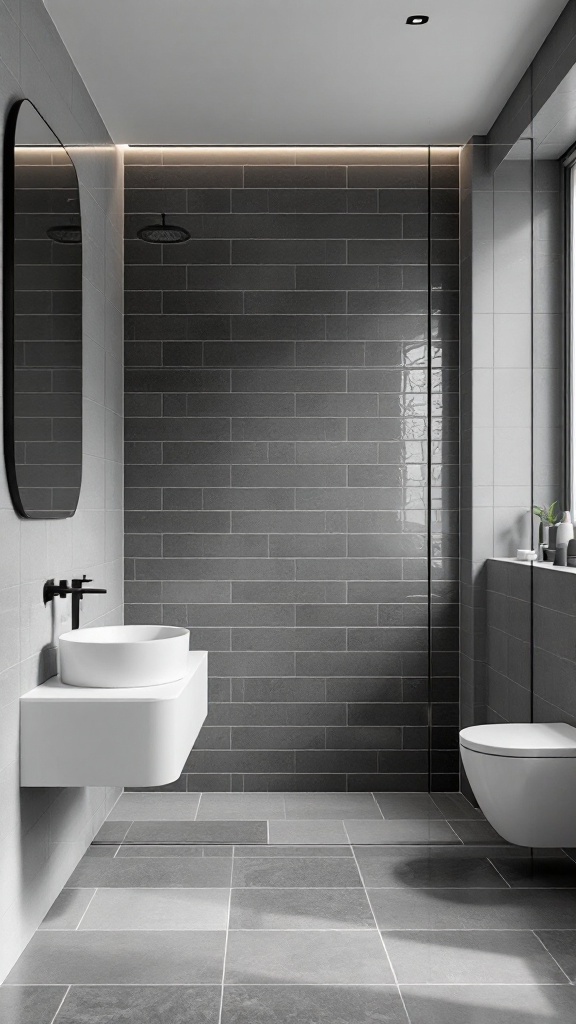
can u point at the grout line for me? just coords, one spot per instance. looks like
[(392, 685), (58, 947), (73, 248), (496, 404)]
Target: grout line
[(224, 958), (491, 862), (450, 826), (284, 984), (553, 957), (381, 938), (60, 1005), (86, 910)]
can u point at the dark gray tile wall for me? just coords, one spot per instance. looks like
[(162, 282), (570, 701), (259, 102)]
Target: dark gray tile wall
[(509, 632), (276, 478)]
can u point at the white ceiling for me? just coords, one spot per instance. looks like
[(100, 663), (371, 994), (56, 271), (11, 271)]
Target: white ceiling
[(300, 72)]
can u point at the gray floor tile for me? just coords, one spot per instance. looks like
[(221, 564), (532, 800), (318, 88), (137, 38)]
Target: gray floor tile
[(141, 1004), (467, 958), (112, 832), (456, 807), (476, 832), (395, 832), (20, 1004), (305, 832), (490, 1004), (152, 872), (331, 805), (407, 805), (67, 909), (315, 958), (424, 867), (108, 850), (136, 958), (202, 832), (157, 910), (156, 807), (473, 908), (293, 851), (562, 946), (240, 806), (179, 850), (295, 873), (538, 873), (308, 1004), (300, 909)]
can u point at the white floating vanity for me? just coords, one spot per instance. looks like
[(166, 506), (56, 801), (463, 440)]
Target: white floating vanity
[(112, 736)]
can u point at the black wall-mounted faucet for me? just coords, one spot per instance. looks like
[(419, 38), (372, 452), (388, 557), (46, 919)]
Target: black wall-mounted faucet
[(76, 589)]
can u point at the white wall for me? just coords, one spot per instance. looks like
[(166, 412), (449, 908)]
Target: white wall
[(44, 832)]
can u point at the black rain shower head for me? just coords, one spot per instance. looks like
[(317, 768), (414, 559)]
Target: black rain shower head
[(163, 234)]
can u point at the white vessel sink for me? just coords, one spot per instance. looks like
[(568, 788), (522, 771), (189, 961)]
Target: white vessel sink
[(120, 656)]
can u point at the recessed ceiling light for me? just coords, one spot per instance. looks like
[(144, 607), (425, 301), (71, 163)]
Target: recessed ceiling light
[(417, 19)]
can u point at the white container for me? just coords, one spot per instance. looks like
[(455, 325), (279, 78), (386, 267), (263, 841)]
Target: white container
[(564, 530), (110, 656)]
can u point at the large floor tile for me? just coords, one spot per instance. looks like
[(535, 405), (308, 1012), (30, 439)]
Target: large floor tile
[(178, 850), (240, 806), (331, 805), (21, 1004), (156, 807), (141, 1004), (314, 958), (293, 851), (68, 909), (295, 873), (424, 867), (300, 909), (473, 908), (152, 872), (307, 832), (456, 807), (157, 910), (411, 832), (470, 957), (476, 832), (108, 958), (537, 872), (112, 832), (202, 832), (490, 1004), (407, 805), (104, 850), (308, 1004), (562, 946)]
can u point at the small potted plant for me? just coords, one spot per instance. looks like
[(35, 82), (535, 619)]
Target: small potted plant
[(548, 516)]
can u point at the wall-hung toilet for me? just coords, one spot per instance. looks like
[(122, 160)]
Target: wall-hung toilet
[(524, 779)]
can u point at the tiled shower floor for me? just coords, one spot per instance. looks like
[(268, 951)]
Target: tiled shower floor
[(166, 921)]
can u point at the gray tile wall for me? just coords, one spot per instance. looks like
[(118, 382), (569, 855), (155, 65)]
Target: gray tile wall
[(509, 638), (43, 833), (512, 343), (276, 456)]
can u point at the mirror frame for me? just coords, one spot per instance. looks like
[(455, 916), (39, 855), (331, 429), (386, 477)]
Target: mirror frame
[(8, 314)]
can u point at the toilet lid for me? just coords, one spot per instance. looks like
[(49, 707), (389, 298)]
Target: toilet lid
[(537, 739)]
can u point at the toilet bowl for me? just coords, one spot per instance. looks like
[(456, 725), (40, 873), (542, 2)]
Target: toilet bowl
[(524, 779)]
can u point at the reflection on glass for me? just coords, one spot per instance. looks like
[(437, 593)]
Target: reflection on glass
[(44, 459)]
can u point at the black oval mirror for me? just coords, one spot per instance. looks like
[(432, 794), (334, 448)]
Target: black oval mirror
[(42, 319)]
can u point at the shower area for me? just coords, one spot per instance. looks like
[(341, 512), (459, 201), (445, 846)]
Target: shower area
[(517, 661), (292, 456)]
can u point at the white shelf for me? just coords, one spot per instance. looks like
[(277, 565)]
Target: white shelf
[(134, 736)]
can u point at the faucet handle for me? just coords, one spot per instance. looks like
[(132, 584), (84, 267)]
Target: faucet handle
[(78, 583)]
